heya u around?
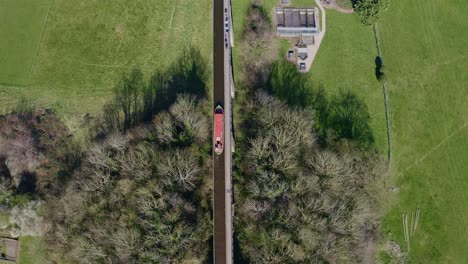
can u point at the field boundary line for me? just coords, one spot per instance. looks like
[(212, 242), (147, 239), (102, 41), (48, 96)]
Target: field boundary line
[(386, 101), (447, 138), (44, 25), (430, 152)]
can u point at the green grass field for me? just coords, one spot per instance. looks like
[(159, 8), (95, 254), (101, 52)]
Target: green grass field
[(346, 61), (21, 26), (424, 46), (88, 45), (32, 251)]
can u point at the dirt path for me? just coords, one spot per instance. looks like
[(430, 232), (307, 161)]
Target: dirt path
[(324, 18)]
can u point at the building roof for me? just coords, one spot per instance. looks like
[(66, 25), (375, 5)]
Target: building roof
[(292, 21), (302, 53), (295, 17)]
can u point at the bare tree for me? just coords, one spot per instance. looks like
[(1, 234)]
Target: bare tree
[(126, 241), (165, 128), (259, 47), (117, 142), (187, 112), (137, 162), (179, 168)]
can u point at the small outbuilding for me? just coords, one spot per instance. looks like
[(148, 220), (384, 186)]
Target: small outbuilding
[(302, 53), (302, 66)]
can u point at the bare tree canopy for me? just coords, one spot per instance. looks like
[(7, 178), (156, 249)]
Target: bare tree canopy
[(298, 202), (134, 200)]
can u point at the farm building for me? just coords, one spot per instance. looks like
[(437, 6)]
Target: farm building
[(292, 21)]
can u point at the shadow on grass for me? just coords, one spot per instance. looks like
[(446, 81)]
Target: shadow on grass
[(137, 101), (286, 83), (341, 116), (350, 118), (379, 69), (187, 75)]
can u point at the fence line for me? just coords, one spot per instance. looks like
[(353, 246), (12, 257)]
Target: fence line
[(386, 100)]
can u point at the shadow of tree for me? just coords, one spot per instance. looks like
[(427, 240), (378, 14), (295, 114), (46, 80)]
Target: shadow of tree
[(286, 83), (349, 117), (342, 116), (379, 69), (239, 257), (137, 101), (187, 75), (28, 183)]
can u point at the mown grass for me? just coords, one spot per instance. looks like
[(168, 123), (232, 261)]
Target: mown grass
[(21, 26), (32, 251), (88, 45), (424, 51), (346, 62)]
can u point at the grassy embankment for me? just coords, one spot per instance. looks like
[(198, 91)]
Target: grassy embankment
[(424, 50), (86, 47)]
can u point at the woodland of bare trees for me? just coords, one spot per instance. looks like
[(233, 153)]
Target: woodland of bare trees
[(33, 146), (299, 202), (36, 156), (142, 192), (308, 179), (136, 190), (139, 197), (259, 46)]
